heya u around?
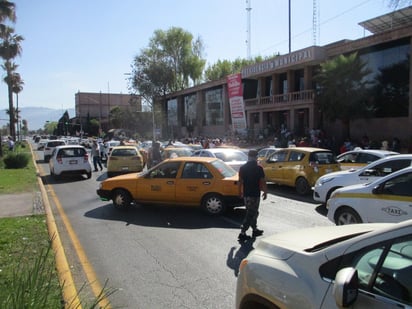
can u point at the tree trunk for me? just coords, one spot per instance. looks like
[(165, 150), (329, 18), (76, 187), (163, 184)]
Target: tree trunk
[(11, 113)]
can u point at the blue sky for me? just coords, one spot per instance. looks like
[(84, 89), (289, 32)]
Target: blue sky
[(88, 45)]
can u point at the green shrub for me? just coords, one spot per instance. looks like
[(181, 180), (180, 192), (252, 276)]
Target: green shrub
[(16, 160)]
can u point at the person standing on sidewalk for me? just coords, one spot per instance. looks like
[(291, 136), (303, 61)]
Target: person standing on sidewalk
[(95, 153), (251, 183)]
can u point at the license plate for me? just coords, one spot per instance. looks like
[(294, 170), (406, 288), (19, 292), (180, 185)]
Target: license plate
[(125, 168), (73, 162)]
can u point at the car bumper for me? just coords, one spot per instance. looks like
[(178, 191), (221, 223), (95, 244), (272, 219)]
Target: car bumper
[(104, 195)]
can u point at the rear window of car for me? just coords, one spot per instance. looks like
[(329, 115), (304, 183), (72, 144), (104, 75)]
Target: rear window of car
[(323, 157), (223, 168), (71, 152), (55, 143), (124, 152)]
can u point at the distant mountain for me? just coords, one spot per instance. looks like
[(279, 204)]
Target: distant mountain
[(37, 116)]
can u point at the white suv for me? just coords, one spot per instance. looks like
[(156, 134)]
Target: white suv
[(70, 160), (49, 147), (326, 184)]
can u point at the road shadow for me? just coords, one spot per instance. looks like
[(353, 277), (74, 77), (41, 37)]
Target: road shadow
[(165, 216), (237, 254), (290, 193), (321, 209), (48, 179)]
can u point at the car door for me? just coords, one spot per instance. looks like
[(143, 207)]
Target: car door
[(196, 180), (292, 167), (274, 165), (159, 185), (384, 273), (391, 201)]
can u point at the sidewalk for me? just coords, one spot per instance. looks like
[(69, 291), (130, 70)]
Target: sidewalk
[(21, 204)]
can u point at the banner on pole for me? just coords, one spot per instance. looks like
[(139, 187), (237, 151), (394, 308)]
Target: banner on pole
[(237, 108)]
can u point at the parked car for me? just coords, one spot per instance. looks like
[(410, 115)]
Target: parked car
[(70, 160), (233, 157), (108, 146), (264, 153), (351, 266), (123, 160), (173, 152), (360, 157), (299, 167), (187, 181), (49, 147), (325, 185), (387, 199), (41, 144)]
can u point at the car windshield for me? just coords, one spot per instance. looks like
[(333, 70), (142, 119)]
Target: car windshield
[(223, 168)]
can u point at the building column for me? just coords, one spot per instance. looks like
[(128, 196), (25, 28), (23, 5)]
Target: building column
[(308, 77)]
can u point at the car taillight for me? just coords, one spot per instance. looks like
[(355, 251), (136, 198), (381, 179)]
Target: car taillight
[(86, 157), (59, 160)]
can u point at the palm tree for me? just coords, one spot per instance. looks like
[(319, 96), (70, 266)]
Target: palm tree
[(10, 48), (342, 89), (17, 87), (7, 11)]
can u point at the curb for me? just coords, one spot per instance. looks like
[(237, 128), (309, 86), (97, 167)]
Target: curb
[(70, 295)]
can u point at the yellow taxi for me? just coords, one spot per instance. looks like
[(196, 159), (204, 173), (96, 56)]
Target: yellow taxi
[(299, 167), (188, 181), (123, 160)]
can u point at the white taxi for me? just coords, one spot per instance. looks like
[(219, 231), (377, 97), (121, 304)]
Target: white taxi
[(388, 199)]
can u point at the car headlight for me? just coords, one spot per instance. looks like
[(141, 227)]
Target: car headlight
[(325, 180)]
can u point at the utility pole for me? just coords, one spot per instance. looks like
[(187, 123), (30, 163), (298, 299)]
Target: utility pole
[(248, 30)]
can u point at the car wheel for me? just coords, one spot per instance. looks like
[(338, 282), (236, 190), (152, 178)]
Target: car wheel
[(302, 186), (89, 175), (213, 204), (121, 199), (346, 215)]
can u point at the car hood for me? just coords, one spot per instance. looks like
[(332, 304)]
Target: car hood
[(283, 245), (354, 188), (129, 176)]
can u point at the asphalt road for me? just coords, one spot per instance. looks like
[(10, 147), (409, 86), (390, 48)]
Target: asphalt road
[(158, 257)]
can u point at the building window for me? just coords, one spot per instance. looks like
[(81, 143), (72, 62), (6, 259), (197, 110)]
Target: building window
[(190, 110), (214, 107)]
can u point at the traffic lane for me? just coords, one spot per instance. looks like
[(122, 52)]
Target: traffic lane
[(166, 256), (162, 256)]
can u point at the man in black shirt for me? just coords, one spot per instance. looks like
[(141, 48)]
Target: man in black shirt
[(251, 182)]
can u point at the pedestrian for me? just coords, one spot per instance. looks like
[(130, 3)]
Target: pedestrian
[(95, 153), (155, 156), (10, 143), (251, 183)]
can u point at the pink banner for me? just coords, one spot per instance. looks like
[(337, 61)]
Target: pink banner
[(237, 108)]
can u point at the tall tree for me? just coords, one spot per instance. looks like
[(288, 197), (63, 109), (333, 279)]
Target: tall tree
[(172, 61), (10, 47), (342, 89)]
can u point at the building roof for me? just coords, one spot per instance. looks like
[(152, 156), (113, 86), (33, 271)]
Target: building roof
[(389, 21)]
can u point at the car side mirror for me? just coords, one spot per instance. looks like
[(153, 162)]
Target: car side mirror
[(345, 287), (377, 189)]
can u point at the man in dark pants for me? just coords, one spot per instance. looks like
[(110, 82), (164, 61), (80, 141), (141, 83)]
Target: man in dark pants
[(251, 182)]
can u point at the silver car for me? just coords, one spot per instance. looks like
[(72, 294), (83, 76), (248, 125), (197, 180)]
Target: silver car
[(349, 266), (233, 157)]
